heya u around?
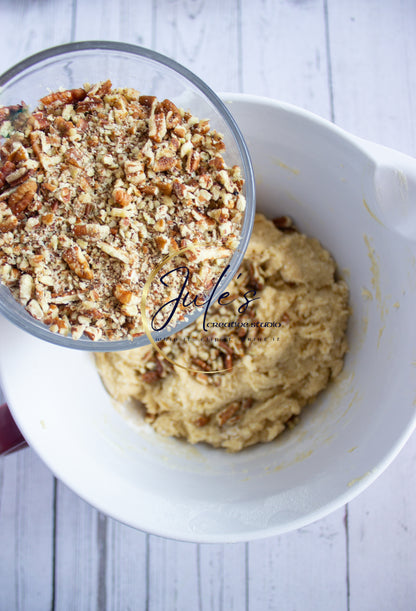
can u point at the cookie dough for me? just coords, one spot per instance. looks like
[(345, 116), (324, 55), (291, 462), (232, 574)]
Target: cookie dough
[(281, 341)]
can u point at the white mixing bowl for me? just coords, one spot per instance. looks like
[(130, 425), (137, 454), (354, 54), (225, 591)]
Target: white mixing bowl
[(359, 200)]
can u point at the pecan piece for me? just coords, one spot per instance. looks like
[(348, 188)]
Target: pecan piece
[(147, 100), (60, 98), (38, 120), (253, 281), (18, 154), (157, 126), (228, 362), (223, 345), (229, 412), (101, 89), (202, 421), (36, 143), (77, 261), (94, 231), (63, 126), (123, 295), (4, 114), (201, 364), (217, 163), (7, 169), (121, 197), (22, 196), (284, 223), (8, 113), (164, 163), (164, 187), (150, 376), (173, 115), (90, 102), (8, 224), (192, 162)]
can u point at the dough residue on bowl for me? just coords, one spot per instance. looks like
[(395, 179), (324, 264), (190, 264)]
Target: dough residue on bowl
[(279, 334)]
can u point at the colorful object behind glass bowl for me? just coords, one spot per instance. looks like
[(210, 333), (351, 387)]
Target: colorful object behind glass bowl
[(337, 188)]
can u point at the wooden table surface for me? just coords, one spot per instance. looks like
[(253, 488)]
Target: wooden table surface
[(354, 62)]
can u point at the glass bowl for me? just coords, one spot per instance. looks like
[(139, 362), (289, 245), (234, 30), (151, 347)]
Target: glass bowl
[(71, 65)]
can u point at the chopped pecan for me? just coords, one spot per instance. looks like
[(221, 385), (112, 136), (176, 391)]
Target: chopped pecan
[(8, 224), (73, 157), (35, 140), (284, 223), (77, 261), (4, 114), (18, 154), (233, 412), (8, 113), (7, 169), (228, 362), (202, 421), (59, 98), (192, 162), (101, 89), (63, 126), (151, 376), (164, 187), (89, 103), (165, 163), (157, 126), (121, 197), (228, 412), (93, 231), (20, 199), (173, 115), (123, 295), (19, 176), (201, 364), (217, 163), (225, 347), (254, 281), (38, 120), (148, 100)]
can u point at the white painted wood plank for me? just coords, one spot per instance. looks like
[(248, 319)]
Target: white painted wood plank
[(202, 35), (124, 21), (26, 533), (284, 52), (126, 568), (173, 576), (79, 554), (222, 576), (29, 27), (305, 569), (382, 539), (373, 51)]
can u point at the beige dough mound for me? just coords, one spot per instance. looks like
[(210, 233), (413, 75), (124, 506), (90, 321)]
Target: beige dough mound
[(272, 371)]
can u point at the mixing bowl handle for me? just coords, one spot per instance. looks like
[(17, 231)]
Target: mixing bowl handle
[(11, 439), (394, 177)]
